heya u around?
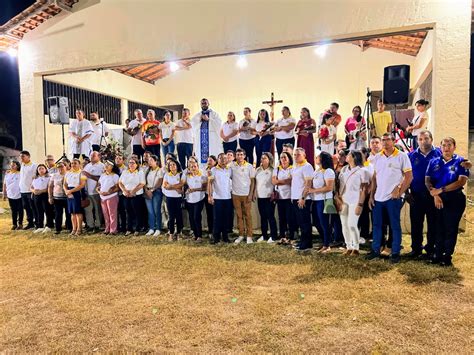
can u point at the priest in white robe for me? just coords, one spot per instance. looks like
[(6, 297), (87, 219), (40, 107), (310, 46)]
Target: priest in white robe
[(206, 127)]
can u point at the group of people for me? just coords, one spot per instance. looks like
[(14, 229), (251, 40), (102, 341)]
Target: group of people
[(342, 188)]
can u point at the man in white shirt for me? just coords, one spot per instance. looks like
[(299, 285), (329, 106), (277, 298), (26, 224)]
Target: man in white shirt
[(219, 192), (243, 188), (93, 212), (101, 131), (206, 128), (284, 130), (392, 177), (301, 179), (80, 132), (27, 174), (135, 130), (184, 137)]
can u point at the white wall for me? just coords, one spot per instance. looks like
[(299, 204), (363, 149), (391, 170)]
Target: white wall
[(297, 76), (115, 32)]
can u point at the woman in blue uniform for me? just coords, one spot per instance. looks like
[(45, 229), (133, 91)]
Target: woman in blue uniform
[(445, 178)]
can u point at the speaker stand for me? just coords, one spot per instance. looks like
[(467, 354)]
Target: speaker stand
[(64, 156)]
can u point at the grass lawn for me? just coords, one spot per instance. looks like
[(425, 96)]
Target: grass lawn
[(98, 293)]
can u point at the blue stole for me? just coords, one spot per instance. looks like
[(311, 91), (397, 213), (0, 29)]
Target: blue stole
[(205, 138)]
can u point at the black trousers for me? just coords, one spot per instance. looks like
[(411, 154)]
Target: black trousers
[(447, 223), (303, 219), (60, 208), (209, 215), (16, 207), (266, 209), (423, 205), (42, 207), (279, 144), (248, 145), (78, 156), (185, 150), (122, 214), (195, 216), (286, 219), (95, 148), (154, 149), (27, 203), (364, 221), (138, 150), (221, 216), (135, 213), (175, 214), (229, 146)]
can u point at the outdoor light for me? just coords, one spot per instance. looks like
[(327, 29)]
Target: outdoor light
[(320, 51), (242, 62), (13, 52), (174, 66)]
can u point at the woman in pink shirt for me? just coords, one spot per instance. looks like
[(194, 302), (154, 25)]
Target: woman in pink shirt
[(355, 129)]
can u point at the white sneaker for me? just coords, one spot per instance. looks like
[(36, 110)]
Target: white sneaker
[(249, 240), (270, 241), (260, 240), (238, 240), (157, 233), (150, 232), (38, 230), (46, 230), (362, 240)]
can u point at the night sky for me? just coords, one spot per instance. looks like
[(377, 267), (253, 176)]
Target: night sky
[(10, 120)]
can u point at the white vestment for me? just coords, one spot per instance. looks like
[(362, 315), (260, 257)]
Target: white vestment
[(80, 128), (215, 142)]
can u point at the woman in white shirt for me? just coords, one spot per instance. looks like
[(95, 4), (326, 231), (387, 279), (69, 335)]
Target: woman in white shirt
[(263, 141), (58, 198), (11, 190), (247, 134), (321, 190), (284, 130), (107, 187), (167, 130), (39, 189), (74, 183), (154, 195), (353, 180), (229, 133), (131, 183), (263, 192), (196, 183), (282, 180), (420, 122), (173, 190)]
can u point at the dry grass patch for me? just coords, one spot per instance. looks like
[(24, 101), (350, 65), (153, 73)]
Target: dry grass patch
[(140, 294)]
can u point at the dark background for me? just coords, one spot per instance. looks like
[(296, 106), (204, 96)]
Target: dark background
[(10, 113)]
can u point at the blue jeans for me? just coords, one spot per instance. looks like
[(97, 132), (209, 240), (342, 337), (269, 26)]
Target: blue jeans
[(321, 221), (168, 149), (153, 206), (393, 208), (185, 150)]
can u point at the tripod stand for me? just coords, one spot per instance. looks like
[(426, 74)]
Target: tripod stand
[(64, 156), (370, 115)]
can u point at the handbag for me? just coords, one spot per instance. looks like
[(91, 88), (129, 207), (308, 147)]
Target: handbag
[(329, 207), (275, 195)]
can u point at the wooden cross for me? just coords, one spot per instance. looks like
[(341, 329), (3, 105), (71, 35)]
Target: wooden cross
[(272, 103)]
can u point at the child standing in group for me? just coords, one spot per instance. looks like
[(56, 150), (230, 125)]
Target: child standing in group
[(107, 187), (39, 189)]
